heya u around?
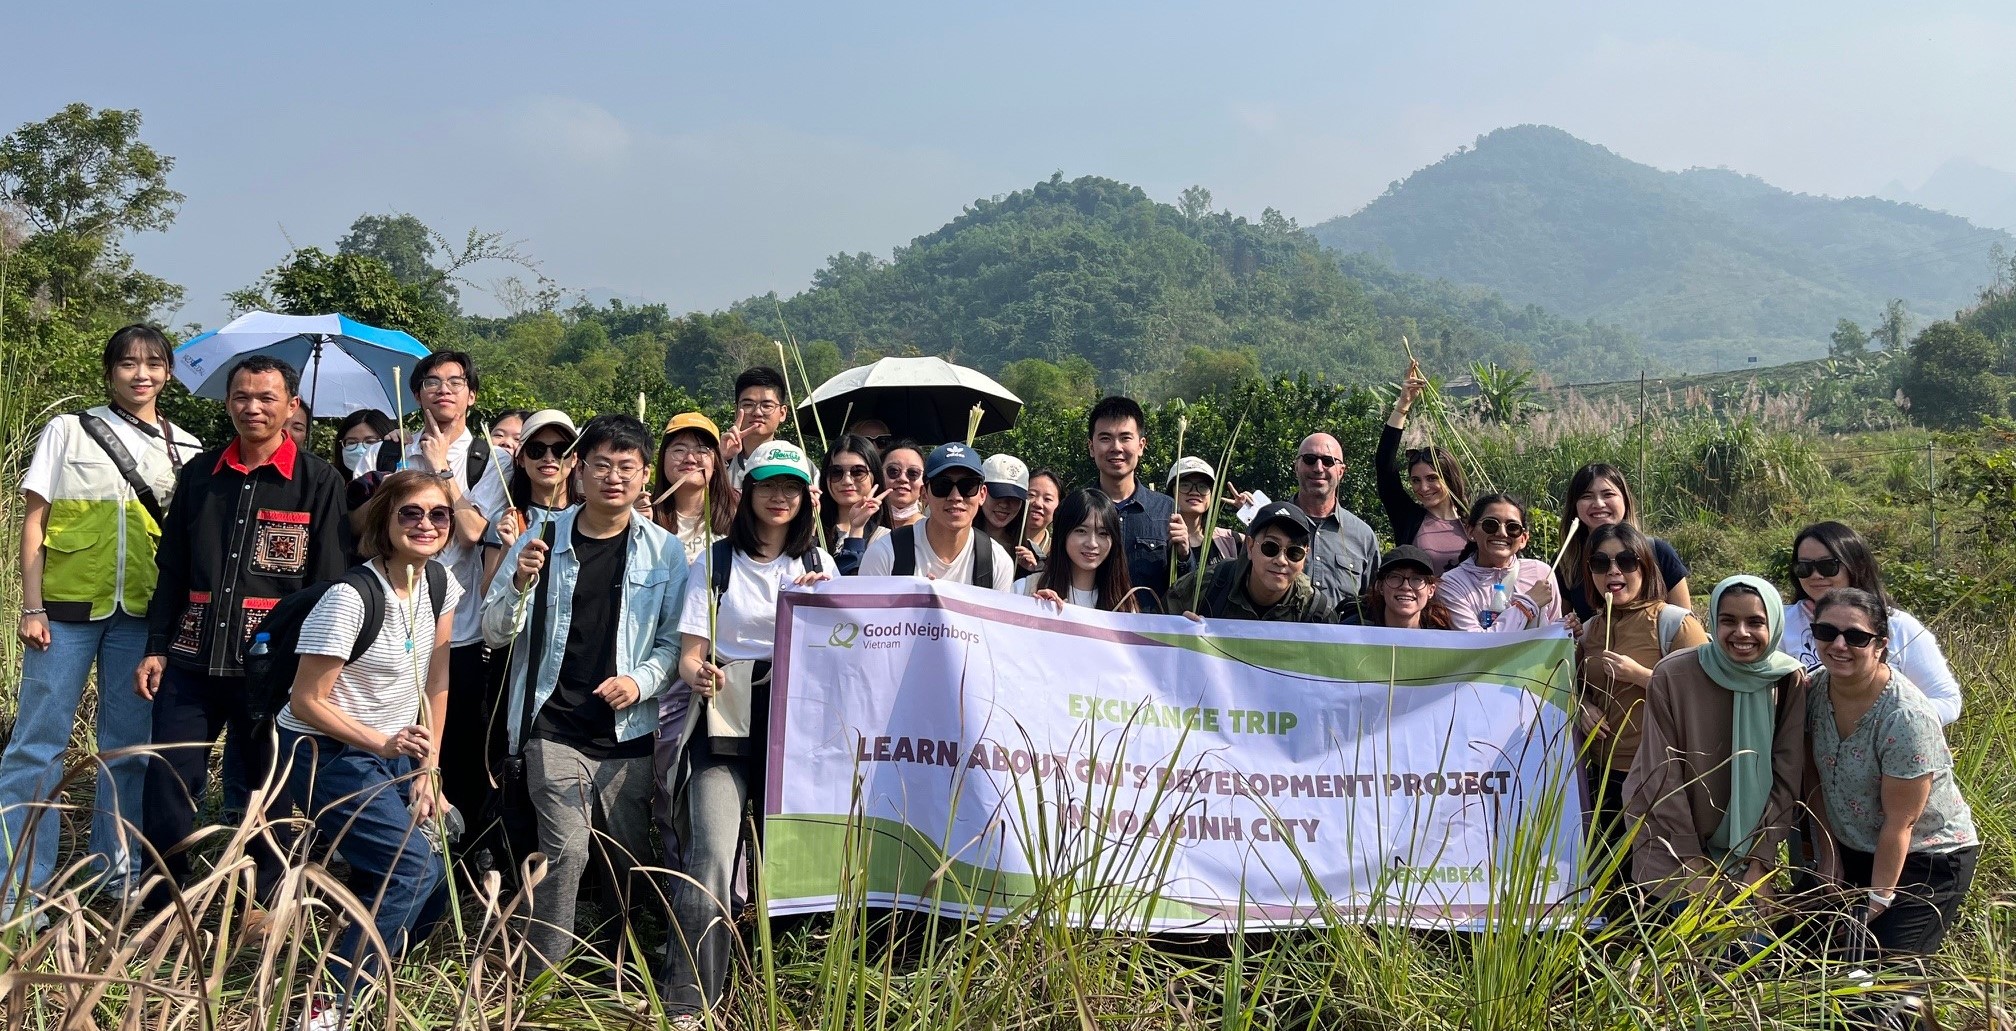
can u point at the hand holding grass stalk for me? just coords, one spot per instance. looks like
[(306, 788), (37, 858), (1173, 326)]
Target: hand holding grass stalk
[(1574, 524)]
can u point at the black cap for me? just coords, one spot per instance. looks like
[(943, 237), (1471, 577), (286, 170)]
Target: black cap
[(1300, 526), (1406, 555)]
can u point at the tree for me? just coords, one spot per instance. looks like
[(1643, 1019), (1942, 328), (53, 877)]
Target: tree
[(1041, 384), (1195, 203), (1849, 340), (407, 247), (1504, 395), (1948, 377), (314, 282), (1893, 326), (1205, 371)]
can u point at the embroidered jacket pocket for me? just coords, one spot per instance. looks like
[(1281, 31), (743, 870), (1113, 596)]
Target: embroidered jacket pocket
[(189, 632), (280, 543)]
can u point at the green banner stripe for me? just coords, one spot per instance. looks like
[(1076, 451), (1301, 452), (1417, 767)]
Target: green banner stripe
[(1544, 668), (806, 856)]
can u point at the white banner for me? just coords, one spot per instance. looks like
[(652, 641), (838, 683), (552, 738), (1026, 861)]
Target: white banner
[(940, 748)]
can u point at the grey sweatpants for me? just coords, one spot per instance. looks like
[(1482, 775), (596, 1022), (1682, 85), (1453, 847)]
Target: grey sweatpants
[(575, 796)]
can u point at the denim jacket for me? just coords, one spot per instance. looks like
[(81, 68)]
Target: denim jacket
[(647, 643)]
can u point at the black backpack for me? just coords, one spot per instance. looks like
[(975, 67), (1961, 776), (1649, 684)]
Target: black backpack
[(388, 463), (904, 541), (268, 684)]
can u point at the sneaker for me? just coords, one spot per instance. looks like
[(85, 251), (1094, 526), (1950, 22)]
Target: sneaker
[(688, 1022), (324, 1013)]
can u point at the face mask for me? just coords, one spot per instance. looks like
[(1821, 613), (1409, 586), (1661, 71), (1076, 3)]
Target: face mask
[(358, 458)]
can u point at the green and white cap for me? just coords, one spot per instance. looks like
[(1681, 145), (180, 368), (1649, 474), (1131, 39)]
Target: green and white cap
[(778, 458)]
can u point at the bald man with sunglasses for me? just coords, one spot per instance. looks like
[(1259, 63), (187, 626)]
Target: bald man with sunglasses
[(1346, 552)]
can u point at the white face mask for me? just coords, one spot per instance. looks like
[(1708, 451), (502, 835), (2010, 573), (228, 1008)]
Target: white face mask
[(358, 458)]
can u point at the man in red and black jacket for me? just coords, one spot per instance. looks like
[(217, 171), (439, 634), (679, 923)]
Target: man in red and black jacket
[(250, 524)]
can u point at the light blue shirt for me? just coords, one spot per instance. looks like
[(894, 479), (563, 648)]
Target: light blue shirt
[(647, 640)]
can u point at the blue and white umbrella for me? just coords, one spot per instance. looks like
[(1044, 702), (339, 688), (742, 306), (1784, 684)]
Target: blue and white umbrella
[(345, 365)]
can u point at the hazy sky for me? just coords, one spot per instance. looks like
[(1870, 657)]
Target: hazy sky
[(699, 154)]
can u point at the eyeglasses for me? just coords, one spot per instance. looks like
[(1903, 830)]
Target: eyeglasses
[(1496, 527), (780, 486), (439, 515), (366, 441), (757, 407), (1405, 580), (1827, 567), (967, 486), (625, 472), (539, 450), (688, 450), (850, 472), (444, 383), (1193, 485), (1825, 633), (900, 473), (1623, 562), (1326, 461), (1273, 549)]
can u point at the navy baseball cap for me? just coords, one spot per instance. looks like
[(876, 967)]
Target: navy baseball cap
[(947, 457)]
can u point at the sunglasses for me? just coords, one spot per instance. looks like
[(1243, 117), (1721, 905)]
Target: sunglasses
[(967, 486), (1623, 562), (1420, 456), (1825, 633), (900, 474), (439, 515), (1496, 527), (848, 472), (1827, 567), (539, 450), (1326, 461), (1273, 549)]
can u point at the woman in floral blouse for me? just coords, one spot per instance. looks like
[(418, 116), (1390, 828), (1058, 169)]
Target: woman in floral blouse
[(1905, 835)]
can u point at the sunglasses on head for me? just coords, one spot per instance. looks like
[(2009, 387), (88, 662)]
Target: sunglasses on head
[(1273, 549), (967, 486), (538, 450), (1825, 633), (1497, 527), (1326, 461), (1420, 456), (1827, 567), (412, 515), (1623, 562)]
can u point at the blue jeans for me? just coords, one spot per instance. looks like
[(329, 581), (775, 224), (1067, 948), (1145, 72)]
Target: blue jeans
[(52, 685), (358, 802)]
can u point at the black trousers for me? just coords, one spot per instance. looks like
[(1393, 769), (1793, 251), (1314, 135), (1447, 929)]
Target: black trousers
[(190, 710), (465, 771), (1930, 889)]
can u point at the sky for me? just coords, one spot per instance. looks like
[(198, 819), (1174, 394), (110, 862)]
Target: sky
[(698, 154)]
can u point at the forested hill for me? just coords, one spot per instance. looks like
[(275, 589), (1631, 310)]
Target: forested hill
[(1709, 265), (1093, 268)]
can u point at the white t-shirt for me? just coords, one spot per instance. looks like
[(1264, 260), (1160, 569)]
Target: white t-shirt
[(881, 558), (466, 560), (745, 624), (1029, 585), (382, 688)]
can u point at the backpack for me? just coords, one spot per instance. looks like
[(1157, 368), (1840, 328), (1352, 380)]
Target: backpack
[(389, 458), (904, 540), (267, 688), (1219, 590), (1670, 619), (723, 563)]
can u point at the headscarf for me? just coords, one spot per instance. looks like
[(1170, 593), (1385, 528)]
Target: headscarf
[(1752, 727)]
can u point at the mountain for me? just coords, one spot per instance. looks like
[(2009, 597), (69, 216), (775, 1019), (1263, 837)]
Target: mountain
[(1965, 187), (1095, 269), (1711, 266)]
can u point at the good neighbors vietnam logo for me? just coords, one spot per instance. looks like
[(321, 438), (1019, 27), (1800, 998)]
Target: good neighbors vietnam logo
[(843, 635)]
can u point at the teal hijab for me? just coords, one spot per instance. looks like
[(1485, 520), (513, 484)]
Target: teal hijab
[(1753, 727)]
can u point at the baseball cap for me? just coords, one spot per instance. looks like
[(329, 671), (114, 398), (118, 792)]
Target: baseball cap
[(1191, 465), (544, 418), (1299, 524), (694, 421), (947, 457), (1006, 477), (778, 458), (1406, 555)]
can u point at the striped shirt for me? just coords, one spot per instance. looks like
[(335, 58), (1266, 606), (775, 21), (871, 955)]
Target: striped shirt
[(382, 688)]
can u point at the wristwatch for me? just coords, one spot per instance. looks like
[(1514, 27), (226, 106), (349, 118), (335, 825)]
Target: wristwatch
[(444, 474)]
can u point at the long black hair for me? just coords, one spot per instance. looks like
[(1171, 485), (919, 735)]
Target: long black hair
[(1110, 580), (380, 423), (746, 531), (1579, 484), (1848, 547), (520, 485), (849, 444)]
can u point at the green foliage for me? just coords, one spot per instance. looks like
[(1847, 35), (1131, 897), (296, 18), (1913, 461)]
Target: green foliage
[(1849, 341), (1504, 396), (1205, 371), (313, 282), (1952, 377), (407, 247), (1707, 263), (1073, 383)]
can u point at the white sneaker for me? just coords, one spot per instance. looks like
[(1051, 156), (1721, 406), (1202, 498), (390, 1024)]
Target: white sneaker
[(324, 1013)]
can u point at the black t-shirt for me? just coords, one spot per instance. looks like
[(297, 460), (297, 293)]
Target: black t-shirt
[(572, 715), (1671, 569)]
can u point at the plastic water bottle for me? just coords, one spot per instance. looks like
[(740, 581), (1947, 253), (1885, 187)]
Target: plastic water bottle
[(258, 669), (1495, 608)]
